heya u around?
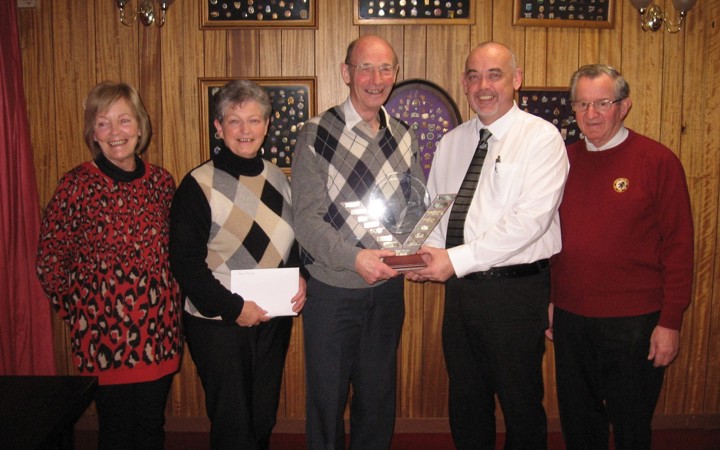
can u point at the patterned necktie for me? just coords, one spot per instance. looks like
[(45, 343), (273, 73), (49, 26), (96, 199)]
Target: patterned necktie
[(456, 225)]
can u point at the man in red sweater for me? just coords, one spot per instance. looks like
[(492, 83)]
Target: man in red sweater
[(624, 276)]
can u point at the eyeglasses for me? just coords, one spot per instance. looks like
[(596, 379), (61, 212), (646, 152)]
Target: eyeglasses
[(598, 105), (385, 71)]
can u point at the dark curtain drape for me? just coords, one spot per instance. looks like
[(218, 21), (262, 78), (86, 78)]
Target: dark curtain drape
[(25, 327)]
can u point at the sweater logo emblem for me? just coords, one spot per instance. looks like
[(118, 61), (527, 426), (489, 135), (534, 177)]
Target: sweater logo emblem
[(621, 185)]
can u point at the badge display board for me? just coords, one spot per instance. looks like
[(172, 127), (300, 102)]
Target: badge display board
[(553, 105), (293, 103), (258, 13), (406, 12), (563, 13), (428, 110)]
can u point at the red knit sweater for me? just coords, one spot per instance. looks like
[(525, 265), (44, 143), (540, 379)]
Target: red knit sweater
[(103, 261), (627, 233)]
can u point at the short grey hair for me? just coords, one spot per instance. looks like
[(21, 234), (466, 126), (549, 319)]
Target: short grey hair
[(622, 88), (238, 92)]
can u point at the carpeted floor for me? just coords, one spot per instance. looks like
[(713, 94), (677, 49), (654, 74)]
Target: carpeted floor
[(686, 439)]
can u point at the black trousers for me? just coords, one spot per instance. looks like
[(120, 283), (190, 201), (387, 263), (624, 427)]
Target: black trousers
[(132, 416), (241, 372), (351, 338), (603, 378), (493, 341)]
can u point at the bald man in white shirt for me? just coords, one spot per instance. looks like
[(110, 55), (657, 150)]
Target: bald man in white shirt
[(494, 259)]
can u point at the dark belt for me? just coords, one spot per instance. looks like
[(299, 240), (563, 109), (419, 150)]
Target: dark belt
[(514, 271)]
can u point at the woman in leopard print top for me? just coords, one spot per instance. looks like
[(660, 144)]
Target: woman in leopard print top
[(103, 262)]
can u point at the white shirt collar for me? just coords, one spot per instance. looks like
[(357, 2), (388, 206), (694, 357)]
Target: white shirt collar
[(352, 117), (616, 140), (500, 126)]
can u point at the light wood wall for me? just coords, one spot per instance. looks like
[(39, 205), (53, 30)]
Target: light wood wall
[(68, 46)]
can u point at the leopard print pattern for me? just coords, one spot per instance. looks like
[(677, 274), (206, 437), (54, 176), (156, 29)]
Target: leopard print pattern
[(103, 261)]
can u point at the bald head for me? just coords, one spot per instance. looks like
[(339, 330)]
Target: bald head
[(368, 41)]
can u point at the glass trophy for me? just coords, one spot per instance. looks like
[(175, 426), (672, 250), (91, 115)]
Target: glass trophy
[(400, 217)]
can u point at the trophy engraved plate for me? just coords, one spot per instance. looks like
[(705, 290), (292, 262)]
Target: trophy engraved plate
[(399, 209)]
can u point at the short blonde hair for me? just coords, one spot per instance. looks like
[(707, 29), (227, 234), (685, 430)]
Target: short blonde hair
[(100, 99)]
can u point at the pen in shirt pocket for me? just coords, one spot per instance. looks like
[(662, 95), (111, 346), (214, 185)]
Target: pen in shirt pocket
[(497, 161)]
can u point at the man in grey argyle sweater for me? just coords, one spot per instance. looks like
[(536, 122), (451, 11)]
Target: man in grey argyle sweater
[(354, 312)]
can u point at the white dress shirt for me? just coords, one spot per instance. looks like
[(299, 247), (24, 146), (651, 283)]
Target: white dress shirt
[(513, 216)]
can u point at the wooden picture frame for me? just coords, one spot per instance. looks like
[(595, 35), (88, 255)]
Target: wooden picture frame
[(428, 110), (564, 13), (293, 101), (553, 105), (413, 12), (216, 14)]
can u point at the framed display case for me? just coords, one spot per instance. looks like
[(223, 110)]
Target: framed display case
[(409, 12), (563, 13), (259, 14), (553, 105), (428, 110), (293, 103)]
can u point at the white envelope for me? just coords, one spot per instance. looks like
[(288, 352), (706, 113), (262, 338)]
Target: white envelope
[(271, 289)]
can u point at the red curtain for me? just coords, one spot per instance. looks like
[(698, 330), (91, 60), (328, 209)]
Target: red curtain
[(25, 330)]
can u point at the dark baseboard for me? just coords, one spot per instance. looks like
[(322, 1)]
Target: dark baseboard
[(424, 425)]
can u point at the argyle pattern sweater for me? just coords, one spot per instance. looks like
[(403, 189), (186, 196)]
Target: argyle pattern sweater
[(335, 163), (229, 213)]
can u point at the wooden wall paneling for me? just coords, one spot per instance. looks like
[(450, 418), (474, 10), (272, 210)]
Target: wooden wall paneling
[(337, 29), (414, 53), (503, 30), (75, 63), (562, 55), (298, 53), (216, 56), (600, 46), (671, 90), (434, 374), (243, 53), (611, 48), (483, 29), (642, 66), (182, 63), (149, 54), (447, 50), (550, 397), (675, 394), (536, 62), (270, 53), (590, 42), (689, 378), (410, 354), (117, 47), (703, 33)]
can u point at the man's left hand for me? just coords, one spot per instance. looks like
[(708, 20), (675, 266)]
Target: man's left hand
[(439, 267), (664, 346)]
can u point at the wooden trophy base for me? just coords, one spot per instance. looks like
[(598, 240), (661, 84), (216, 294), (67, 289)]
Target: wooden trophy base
[(405, 263)]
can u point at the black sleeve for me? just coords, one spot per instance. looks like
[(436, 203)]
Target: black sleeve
[(190, 222)]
